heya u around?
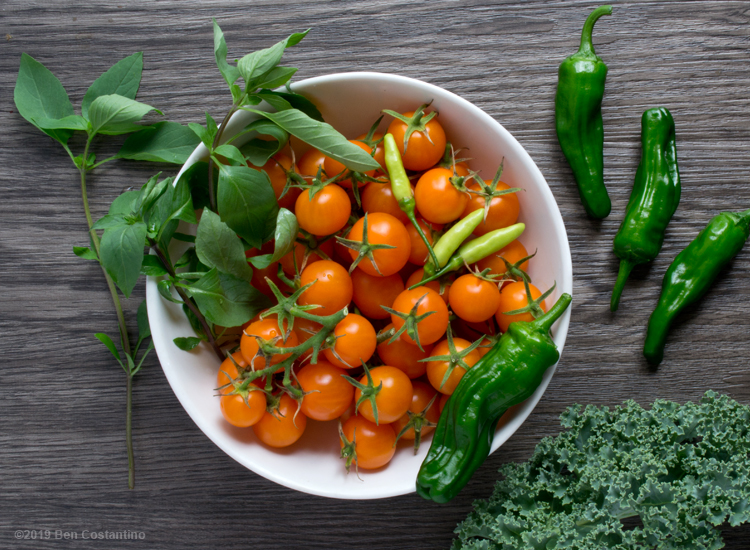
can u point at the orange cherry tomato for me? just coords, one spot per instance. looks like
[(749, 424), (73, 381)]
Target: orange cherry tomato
[(305, 330), (415, 277), (349, 412), (513, 296), (241, 414), (329, 393), (419, 253), (374, 445), (298, 255), (431, 328), (332, 291), (371, 292), (378, 197), (309, 163), (382, 229), (276, 168), (473, 299), (325, 213), (403, 355), (281, 428), (228, 371), (355, 342), (379, 154), (421, 397), (437, 199), (334, 168), (503, 210), (513, 252), (443, 400), (421, 153), (436, 369), (394, 396), (266, 329)]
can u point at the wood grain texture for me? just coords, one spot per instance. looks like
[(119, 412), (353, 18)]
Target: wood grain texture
[(63, 454)]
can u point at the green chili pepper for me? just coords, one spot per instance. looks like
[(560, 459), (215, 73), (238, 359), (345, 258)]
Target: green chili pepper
[(509, 373), (477, 249), (401, 187), (452, 239), (692, 273), (578, 119), (654, 199)]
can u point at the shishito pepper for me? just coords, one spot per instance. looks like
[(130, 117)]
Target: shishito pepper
[(692, 273), (507, 375), (653, 201), (578, 119)]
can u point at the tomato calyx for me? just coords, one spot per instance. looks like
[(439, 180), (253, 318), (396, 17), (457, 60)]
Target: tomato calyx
[(330, 343), (418, 421), (349, 450), (411, 322), (369, 391), (449, 160), (417, 122), (363, 248), (369, 139), (513, 271), (534, 307), (454, 358), (489, 191)]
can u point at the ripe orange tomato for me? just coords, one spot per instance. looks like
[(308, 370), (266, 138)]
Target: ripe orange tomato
[(421, 397), (378, 197), (503, 210), (437, 199), (371, 292), (421, 153), (513, 296), (330, 394), (334, 168), (392, 400), (374, 445), (431, 328), (241, 414), (474, 299), (228, 371), (436, 369), (276, 168), (513, 252), (443, 400), (415, 277), (332, 291), (419, 253), (379, 154), (309, 163), (266, 329), (298, 255), (325, 213), (382, 229), (404, 356), (281, 428), (355, 342)]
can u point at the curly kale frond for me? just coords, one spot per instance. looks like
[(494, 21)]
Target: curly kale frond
[(681, 469)]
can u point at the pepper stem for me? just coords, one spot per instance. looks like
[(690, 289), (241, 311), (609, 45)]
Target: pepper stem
[(588, 27), (622, 276), (546, 321), (742, 218)]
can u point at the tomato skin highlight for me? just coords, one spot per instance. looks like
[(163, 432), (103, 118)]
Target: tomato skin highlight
[(332, 291), (371, 292), (325, 213), (421, 397), (473, 299), (309, 162), (404, 356), (374, 443), (330, 394), (503, 210), (393, 399), (437, 199), (355, 343), (512, 297), (281, 429), (421, 153), (432, 327), (436, 369), (382, 229)]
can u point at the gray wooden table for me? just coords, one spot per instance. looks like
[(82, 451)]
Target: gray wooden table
[(62, 458)]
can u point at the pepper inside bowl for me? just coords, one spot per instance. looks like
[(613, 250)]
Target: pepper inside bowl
[(350, 102)]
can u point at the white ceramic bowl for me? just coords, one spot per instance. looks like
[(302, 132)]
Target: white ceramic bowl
[(351, 102)]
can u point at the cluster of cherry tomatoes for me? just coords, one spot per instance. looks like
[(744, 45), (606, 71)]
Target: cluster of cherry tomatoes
[(390, 365)]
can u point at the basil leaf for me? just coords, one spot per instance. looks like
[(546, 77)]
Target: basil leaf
[(114, 114), (196, 177), (159, 217), (195, 323), (230, 152), (39, 94), (300, 103), (124, 204), (213, 128), (182, 203), (107, 341), (247, 204), (72, 122), (109, 220), (259, 151), (229, 72), (164, 286), (84, 252), (162, 142), (122, 254), (285, 236), (226, 300), (152, 266), (144, 330), (254, 66), (278, 103), (204, 135), (152, 194), (323, 137), (276, 77), (123, 78), (218, 246), (187, 343)]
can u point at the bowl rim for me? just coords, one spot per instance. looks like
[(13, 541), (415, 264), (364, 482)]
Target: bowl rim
[(240, 119)]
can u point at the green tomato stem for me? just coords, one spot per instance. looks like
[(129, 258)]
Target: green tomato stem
[(128, 433)]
